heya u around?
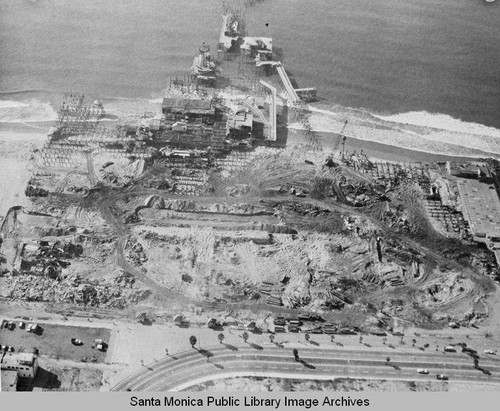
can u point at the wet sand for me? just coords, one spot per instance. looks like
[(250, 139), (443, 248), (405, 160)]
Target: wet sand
[(372, 149)]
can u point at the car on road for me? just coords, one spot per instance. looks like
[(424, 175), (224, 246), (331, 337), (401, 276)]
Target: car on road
[(491, 352), (450, 348), (442, 377), (422, 371)]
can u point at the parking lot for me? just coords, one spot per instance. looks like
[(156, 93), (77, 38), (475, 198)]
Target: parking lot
[(54, 340)]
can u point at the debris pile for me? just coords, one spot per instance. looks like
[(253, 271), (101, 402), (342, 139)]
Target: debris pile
[(135, 252), (159, 202), (49, 259), (118, 293), (35, 191)]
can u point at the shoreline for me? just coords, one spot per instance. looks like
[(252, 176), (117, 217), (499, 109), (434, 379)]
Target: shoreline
[(377, 137), (12, 133), (379, 151), (466, 143)]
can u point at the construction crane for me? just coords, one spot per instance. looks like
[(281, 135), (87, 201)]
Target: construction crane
[(342, 138)]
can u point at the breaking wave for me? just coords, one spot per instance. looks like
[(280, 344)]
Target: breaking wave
[(32, 111), (441, 122), (418, 131), (25, 91)]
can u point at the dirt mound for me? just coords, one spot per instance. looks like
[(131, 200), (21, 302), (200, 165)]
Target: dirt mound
[(159, 202)]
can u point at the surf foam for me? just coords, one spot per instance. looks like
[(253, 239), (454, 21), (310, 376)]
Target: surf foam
[(452, 137), (441, 122), (12, 111)]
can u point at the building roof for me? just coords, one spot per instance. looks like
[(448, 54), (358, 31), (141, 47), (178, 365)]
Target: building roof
[(240, 119), (469, 168), (16, 358), (482, 206), (188, 105), (261, 43)]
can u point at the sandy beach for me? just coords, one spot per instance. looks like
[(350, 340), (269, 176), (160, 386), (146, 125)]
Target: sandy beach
[(15, 151), (420, 133)]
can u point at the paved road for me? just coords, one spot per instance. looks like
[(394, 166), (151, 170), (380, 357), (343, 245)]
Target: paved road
[(187, 368)]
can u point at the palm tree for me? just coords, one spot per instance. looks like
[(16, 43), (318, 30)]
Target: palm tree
[(245, 336), (192, 341), (384, 341), (296, 354), (307, 336), (414, 341), (360, 339), (271, 337), (166, 352), (387, 360), (221, 337)]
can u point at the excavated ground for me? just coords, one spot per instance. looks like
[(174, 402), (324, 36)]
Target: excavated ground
[(245, 242)]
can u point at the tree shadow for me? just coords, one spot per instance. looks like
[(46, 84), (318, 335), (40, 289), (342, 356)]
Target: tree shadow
[(205, 353), (314, 343), (483, 370), (391, 346), (339, 344), (367, 345), (231, 347), (256, 346), (307, 365), (220, 366), (394, 366)]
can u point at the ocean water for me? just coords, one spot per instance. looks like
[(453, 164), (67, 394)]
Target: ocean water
[(409, 61)]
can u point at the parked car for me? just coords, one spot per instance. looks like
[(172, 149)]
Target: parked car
[(450, 348), (102, 347), (21, 324), (32, 327), (76, 341), (491, 352)]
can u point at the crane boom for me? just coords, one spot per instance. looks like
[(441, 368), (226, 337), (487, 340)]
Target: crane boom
[(341, 138)]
